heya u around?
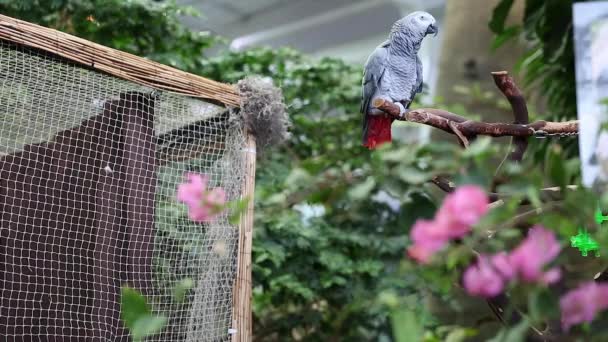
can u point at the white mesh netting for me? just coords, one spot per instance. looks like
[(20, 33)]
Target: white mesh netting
[(89, 166)]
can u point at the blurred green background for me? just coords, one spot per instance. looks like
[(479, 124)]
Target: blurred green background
[(332, 218)]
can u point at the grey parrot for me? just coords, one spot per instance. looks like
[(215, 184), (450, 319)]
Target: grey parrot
[(394, 72)]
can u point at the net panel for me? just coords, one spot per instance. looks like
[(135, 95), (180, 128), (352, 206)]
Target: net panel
[(89, 166)]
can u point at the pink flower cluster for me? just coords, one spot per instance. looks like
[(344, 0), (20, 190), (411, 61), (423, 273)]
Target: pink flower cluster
[(583, 303), (460, 211), (203, 205), (526, 262)]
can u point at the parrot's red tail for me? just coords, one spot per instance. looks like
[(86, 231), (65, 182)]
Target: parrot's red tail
[(378, 130)]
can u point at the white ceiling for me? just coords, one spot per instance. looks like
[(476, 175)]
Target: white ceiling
[(311, 26)]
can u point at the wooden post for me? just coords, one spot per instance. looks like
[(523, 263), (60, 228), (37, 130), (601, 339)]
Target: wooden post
[(241, 311)]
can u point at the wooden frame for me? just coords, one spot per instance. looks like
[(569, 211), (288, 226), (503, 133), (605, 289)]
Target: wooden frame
[(241, 300)]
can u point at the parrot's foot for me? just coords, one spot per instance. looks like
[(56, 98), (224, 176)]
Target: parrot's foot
[(402, 109), (376, 111)]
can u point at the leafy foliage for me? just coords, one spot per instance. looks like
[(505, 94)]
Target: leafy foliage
[(549, 63), (332, 218), (137, 315)]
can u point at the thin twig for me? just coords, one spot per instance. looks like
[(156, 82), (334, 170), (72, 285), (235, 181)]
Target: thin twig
[(526, 215), (443, 183), (463, 139), (498, 199), (496, 204), (503, 160)]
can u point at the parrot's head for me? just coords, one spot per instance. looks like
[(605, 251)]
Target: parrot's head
[(417, 24)]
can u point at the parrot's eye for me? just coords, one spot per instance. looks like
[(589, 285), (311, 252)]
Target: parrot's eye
[(421, 17)]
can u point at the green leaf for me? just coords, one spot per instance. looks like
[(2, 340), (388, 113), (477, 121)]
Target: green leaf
[(412, 175), (402, 155), (181, 288), (406, 326), (555, 166), (418, 206), (237, 209), (534, 197), (515, 334), (508, 233), (456, 256), (460, 334), (133, 306), (554, 30), (298, 178), (532, 8), (147, 326), (362, 190), (278, 198), (480, 146), (542, 305), (475, 176), (389, 298), (505, 36), (499, 16)]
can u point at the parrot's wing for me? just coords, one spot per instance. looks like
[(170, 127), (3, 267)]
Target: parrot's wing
[(418, 87), (372, 74)]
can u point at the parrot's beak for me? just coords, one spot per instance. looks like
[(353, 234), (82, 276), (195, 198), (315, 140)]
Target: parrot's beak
[(432, 30)]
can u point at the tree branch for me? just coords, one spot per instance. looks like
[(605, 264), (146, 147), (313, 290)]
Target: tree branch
[(507, 86), (440, 119)]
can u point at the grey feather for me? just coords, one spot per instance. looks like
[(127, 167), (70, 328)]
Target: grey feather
[(372, 76), (418, 76)]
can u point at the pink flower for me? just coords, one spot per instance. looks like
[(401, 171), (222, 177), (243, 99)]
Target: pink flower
[(583, 303), (538, 249), (428, 239), (202, 205), (216, 198), (465, 206), (527, 261), (460, 210), (450, 227), (551, 276), (423, 254), (191, 192), (425, 231), (503, 265), (482, 279)]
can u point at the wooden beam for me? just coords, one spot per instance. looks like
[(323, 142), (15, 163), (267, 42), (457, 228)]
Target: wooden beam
[(116, 63), (241, 313)]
